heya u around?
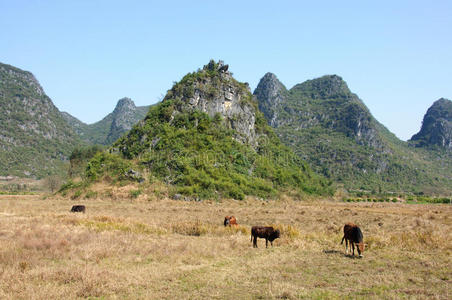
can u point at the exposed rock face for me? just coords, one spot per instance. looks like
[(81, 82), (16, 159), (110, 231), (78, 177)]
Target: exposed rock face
[(34, 137), (219, 94), (270, 92), (125, 115), (110, 128), (325, 101), (437, 126)]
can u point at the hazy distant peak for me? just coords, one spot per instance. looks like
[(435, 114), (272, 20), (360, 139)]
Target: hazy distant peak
[(270, 92), (124, 104)]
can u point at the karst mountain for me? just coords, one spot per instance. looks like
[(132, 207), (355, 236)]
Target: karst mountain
[(208, 138), (331, 128)]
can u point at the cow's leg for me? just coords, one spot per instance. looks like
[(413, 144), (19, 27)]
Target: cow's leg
[(255, 241), (266, 243), (271, 243), (353, 247), (346, 246)]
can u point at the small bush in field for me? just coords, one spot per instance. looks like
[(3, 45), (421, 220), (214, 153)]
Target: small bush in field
[(77, 194), (190, 228), (135, 193)]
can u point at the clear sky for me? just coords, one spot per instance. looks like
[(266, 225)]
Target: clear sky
[(396, 55)]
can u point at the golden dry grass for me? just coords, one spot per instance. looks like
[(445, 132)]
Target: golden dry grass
[(134, 248)]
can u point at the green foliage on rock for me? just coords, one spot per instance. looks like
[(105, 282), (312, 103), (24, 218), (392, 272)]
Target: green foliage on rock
[(80, 157), (107, 164)]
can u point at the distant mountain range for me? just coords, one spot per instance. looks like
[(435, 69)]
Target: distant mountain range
[(330, 127), (110, 128)]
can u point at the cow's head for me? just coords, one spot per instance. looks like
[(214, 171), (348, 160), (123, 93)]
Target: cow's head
[(361, 247), (274, 235), (227, 220)]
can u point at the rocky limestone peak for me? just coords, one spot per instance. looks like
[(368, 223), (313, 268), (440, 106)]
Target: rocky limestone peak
[(436, 126), (270, 92), (328, 86), (213, 90), (124, 104), (24, 79), (325, 101), (124, 116)]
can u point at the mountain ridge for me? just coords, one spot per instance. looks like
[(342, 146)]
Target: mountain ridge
[(330, 127), (35, 140)]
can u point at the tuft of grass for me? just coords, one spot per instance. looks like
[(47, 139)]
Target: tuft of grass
[(195, 228), (135, 193)]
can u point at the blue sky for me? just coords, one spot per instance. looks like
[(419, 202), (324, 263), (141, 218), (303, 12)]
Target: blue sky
[(396, 55)]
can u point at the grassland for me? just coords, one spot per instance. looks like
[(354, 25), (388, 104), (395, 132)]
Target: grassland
[(139, 247)]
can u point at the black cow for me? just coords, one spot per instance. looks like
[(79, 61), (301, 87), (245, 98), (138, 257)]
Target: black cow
[(78, 208), (263, 232)]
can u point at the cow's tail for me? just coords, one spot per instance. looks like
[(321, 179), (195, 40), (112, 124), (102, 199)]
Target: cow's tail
[(251, 236), (343, 239)]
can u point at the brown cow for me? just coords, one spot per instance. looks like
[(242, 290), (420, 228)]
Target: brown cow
[(352, 235), (267, 233), (78, 208), (230, 220)]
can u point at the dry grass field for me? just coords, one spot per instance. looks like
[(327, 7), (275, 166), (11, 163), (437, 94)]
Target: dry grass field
[(165, 249)]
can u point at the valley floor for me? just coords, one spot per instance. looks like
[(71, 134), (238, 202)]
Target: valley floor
[(166, 249)]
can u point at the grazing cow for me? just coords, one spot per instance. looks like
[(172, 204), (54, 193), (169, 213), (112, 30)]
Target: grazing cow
[(230, 220), (78, 208), (352, 235), (267, 233)]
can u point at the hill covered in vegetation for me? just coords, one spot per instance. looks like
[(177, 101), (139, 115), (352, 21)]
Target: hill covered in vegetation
[(207, 138), (436, 127), (110, 128), (331, 128), (35, 140)]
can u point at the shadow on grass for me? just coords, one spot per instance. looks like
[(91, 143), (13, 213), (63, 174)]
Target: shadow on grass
[(341, 253), (331, 251)]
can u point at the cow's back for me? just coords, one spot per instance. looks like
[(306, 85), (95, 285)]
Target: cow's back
[(356, 235), (262, 231), (78, 208)]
